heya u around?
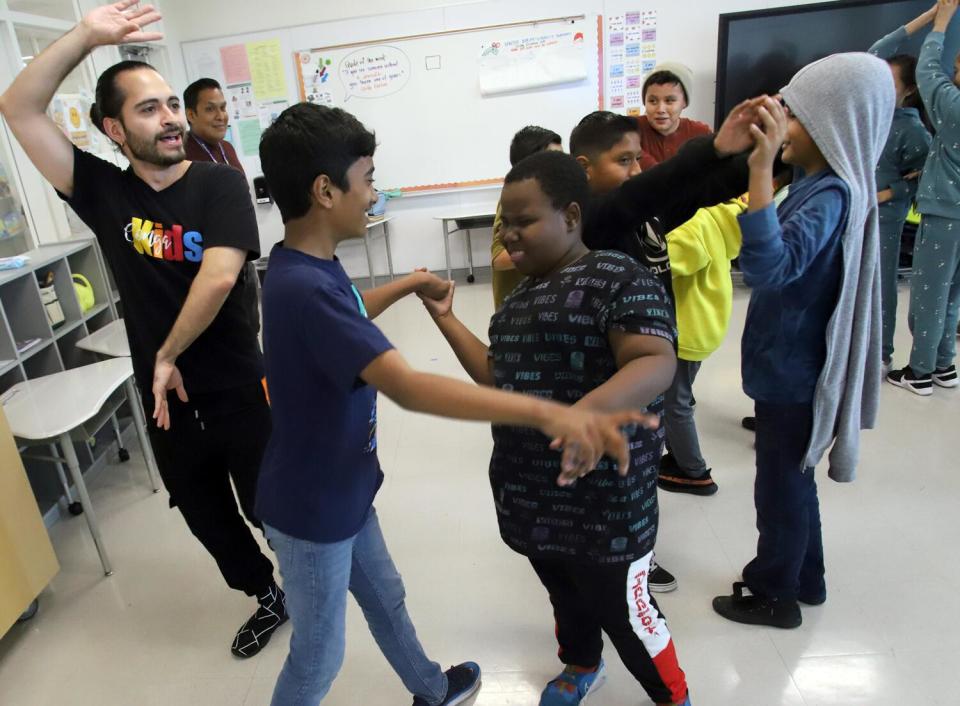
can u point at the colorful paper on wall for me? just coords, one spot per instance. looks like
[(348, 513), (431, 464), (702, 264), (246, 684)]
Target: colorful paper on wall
[(236, 66), (631, 56), (270, 111), (532, 62), (249, 131), (241, 104), (266, 70)]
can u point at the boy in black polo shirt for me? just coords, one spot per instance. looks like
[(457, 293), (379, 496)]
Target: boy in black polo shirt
[(594, 329), (325, 362)]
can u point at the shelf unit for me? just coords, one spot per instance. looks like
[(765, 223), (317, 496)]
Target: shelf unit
[(22, 317)]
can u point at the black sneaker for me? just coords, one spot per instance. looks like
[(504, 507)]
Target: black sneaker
[(463, 681), (946, 377), (254, 634), (674, 479), (753, 610), (659, 580), (749, 423), (917, 384)]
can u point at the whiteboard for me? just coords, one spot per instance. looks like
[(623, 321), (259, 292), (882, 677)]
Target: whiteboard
[(445, 108), (438, 130)]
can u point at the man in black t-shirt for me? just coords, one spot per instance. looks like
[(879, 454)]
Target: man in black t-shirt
[(176, 235)]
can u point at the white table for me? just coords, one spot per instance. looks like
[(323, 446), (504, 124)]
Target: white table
[(464, 220), (385, 227), (49, 408), (111, 341)]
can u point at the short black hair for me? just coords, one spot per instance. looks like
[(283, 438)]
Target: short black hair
[(560, 176), (192, 93), (530, 140), (599, 131), (306, 141), (662, 78), (108, 98)]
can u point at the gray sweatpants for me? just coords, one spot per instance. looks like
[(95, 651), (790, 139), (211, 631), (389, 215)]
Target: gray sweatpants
[(935, 294), (678, 418)]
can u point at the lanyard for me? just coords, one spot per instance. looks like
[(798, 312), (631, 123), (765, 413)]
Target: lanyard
[(207, 149)]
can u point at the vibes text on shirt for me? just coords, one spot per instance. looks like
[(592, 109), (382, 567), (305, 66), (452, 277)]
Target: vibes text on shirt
[(152, 240)]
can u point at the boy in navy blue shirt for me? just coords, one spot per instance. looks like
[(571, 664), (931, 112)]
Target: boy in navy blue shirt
[(325, 361)]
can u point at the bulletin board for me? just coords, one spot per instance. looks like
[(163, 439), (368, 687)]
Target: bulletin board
[(454, 84)]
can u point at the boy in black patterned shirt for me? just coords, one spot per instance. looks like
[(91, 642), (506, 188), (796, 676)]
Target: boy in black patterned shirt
[(592, 329)]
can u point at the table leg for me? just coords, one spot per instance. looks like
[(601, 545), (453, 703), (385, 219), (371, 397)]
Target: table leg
[(386, 240), (470, 277), (140, 424), (446, 246), (366, 246), (66, 446), (63, 476)]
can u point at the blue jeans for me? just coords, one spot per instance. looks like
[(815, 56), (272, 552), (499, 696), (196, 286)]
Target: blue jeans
[(316, 578), (789, 560)]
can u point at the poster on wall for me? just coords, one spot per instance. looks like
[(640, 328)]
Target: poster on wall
[(631, 55), (241, 104), (538, 60), (368, 73), (266, 70)]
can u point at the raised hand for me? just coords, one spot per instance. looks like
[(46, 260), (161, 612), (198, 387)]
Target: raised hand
[(585, 436), (734, 135), (120, 23), (767, 137), (945, 11)]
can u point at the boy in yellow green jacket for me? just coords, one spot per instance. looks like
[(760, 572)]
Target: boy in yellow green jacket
[(700, 252)]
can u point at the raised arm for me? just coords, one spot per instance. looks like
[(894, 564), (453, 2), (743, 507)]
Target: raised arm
[(703, 173), (24, 104), (940, 95)]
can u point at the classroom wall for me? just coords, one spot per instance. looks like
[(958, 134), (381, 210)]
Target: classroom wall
[(687, 32)]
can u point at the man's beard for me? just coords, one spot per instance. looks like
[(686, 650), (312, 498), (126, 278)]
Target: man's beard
[(147, 150)]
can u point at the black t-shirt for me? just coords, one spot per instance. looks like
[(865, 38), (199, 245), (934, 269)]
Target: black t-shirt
[(154, 243), (550, 339)]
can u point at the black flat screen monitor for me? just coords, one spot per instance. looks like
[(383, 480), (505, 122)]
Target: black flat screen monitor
[(759, 51)]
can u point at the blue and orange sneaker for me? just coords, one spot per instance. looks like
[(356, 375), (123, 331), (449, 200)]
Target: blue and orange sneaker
[(571, 686)]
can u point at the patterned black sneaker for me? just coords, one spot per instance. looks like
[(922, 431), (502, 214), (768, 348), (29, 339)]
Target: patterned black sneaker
[(743, 607), (917, 384), (463, 681), (674, 479), (659, 580), (254, 634), (946, 377)]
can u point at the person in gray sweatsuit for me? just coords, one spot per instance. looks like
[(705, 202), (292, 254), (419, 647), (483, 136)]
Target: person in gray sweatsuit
[(935, 287), (897, 171)]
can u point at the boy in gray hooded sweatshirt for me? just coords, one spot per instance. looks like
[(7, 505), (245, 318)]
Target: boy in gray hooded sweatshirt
[(811, 343)]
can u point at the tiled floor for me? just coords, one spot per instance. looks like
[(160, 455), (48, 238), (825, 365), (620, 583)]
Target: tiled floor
[(158, 631)]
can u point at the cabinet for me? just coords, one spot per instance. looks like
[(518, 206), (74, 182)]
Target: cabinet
[(27, 561), (30, 347)]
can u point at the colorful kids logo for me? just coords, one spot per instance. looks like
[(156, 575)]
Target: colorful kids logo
[(151, 239)]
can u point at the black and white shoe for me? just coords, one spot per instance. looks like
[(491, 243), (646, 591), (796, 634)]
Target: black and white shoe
[(254, 634), (917, 384), (946, 377), (659, 580)]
